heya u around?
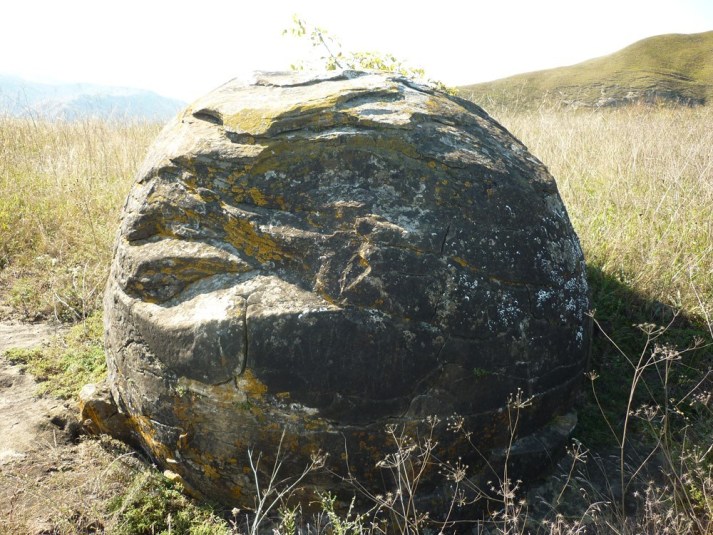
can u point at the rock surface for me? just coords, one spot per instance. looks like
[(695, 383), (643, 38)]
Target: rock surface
[(326, 254), (99, 413)]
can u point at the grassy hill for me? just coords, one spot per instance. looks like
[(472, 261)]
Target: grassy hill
[(674, 68)]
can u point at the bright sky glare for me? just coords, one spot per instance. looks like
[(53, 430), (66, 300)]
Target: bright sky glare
[(183, 49)]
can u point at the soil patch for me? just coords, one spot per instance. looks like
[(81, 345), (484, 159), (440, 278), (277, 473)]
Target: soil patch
[(51, 480), (27, 422)]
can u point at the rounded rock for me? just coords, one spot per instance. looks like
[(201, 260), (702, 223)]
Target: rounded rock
[(320, 255)]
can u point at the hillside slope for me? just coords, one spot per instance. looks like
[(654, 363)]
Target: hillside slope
[(674, 68), (20, 97)]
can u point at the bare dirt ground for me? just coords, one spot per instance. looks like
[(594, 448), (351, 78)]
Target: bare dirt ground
[(52, 481), (26, 421)]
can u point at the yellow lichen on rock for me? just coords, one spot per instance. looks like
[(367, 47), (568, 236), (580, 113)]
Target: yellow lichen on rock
[(251, 385), (250, 121), (243, 235), (252, 195), (145, 428)]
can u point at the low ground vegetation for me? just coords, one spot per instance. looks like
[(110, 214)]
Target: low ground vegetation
[(638, 184)]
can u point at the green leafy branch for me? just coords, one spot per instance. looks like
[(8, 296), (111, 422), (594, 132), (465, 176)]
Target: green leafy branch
[(333, 57)]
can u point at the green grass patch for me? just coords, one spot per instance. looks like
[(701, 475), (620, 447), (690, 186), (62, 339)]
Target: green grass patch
[(153, 505), (66, 363), (622, 341)]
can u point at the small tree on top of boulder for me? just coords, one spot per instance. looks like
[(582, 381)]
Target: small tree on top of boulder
[(333, 57)]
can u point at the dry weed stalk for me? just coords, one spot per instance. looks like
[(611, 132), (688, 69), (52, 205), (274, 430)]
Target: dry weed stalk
[(684, 499), (277, 490), (62, 185)]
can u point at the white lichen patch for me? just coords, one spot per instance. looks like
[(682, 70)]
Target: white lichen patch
[(303, 409), (509, 311), (543, 296)]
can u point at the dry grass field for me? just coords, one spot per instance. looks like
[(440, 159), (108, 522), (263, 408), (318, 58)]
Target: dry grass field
[(636, 181), (638, 185), (62, 186)]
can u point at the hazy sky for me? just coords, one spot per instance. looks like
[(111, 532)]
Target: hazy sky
[(185, 48)]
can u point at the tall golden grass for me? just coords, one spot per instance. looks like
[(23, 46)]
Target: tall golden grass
[(638, 185), (62, 185)]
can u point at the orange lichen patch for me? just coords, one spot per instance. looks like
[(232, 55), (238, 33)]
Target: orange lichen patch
[(250, 196), (156, 198), (210, 471), (261, 121), (313, 220), (435, 106), (280, 157), (328, 298), (182, 409), (223, 394), (250, 121), (290, 442), (208, 464), (273, 426), (144, 428), (315, 424), (243, 235), (464, 263), (322, 109), (251, 385), (184, 269), (281, 202)]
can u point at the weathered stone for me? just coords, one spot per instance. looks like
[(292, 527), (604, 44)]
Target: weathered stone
[(327, 254), (98, 412)]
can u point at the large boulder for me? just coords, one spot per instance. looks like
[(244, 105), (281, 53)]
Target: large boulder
[(321, 255)]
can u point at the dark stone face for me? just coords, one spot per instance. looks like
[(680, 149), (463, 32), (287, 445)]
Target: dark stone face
[(326, 255)]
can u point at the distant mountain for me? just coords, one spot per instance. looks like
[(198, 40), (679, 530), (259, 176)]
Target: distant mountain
[(20, 97), (674, 68)]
